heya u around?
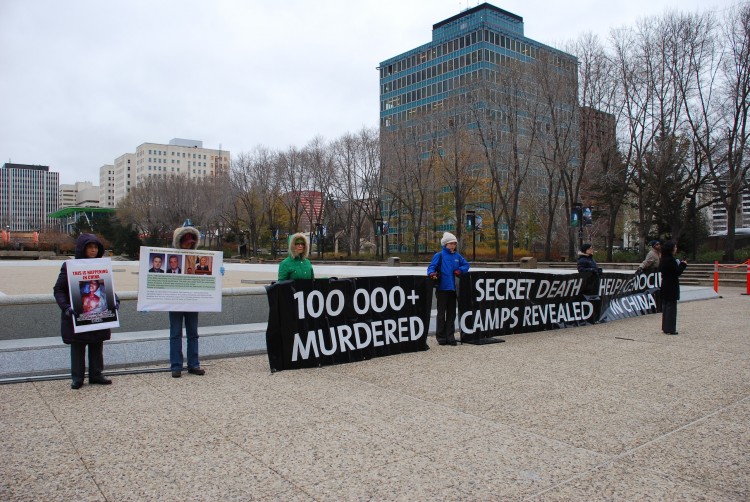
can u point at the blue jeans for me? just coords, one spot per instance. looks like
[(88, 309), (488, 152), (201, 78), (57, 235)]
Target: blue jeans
[(175, 339)]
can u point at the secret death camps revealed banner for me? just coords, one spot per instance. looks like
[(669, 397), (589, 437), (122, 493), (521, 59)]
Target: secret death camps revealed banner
[(331, 321), (502, 303)]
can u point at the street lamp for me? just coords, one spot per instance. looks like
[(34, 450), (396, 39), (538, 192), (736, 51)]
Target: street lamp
[(378, 236), (471, 220)]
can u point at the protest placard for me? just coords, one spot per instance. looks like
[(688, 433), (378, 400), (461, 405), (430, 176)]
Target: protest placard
[(179, 280), (92, 294)]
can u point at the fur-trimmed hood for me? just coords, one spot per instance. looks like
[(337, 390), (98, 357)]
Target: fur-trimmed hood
[(180, 231), (293, 238)]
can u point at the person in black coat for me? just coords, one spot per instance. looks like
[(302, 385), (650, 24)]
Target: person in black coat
[(671, 268), (87, 246), (587, 265)]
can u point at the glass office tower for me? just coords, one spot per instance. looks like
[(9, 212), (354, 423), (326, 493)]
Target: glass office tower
[(464, 66)]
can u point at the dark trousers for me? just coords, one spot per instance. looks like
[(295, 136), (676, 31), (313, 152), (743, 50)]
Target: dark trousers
[(669, 316), (446, 316), (78, 360)]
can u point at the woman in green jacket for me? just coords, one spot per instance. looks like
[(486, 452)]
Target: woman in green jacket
[(296, 265)]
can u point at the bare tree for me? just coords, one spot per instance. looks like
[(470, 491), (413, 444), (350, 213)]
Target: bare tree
[(254, 189), (516, 142), (459, 158), (293, 179), (557, 129), (358, 183), (715, 88), (411, 155)]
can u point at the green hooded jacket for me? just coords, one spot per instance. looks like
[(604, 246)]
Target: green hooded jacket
[(296, 266)]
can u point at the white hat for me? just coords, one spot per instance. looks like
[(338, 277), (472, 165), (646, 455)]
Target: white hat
[(447, 239)]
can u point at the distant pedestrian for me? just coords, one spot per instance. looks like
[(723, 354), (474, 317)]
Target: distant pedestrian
[(651, 263), (671, 268), (297, 265), (87, 246), (445, 267)]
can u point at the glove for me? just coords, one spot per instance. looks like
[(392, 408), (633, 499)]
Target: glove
[(434, 276), (638, 271), (71, 313), (222, 270), (456, 273)]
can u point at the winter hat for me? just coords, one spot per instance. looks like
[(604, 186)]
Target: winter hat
[(447, 239), (585, 246)]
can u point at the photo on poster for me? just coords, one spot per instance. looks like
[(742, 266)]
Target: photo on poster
[(174, 264), (157, 263)]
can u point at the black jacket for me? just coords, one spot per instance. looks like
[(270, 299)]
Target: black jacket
[(670, 276), (62, 297)]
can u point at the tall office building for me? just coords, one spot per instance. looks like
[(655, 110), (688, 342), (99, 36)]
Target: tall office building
[(742, 216), (124, 176), (180, 157), (28, 194), (477, 68), (107, 185)]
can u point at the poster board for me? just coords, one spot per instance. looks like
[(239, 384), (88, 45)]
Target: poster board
[(92, 294), (179, 280)]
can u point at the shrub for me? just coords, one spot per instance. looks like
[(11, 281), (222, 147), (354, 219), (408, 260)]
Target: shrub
[(625, 257), (707, 256)]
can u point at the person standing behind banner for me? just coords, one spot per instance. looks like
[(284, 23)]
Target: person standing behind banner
[(671, 268), (87, 246), (297, 265), (587, 265), (185, 237), (445, 267), (651, 263)]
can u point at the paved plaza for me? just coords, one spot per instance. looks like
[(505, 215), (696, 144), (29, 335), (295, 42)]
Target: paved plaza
[(613, 411)]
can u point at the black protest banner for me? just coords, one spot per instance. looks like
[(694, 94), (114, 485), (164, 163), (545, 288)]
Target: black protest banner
[(323, 322), (624, 295), (507, 302)]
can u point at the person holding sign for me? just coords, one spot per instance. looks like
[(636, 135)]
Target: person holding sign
[(445, 267), (185, 237), (296, 265), (87, 246)]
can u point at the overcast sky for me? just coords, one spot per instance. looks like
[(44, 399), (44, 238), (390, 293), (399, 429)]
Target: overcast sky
[(84, 81)]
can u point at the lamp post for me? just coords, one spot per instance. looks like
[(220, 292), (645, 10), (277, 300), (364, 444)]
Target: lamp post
[(321, 242), (378, 237), (471, 219)]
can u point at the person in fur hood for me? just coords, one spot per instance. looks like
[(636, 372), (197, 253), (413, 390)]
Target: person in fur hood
[(297, 265), (184, 237)]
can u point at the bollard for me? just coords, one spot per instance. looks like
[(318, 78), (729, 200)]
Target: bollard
[(716, 276)]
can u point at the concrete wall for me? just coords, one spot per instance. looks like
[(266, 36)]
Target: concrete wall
[(37, 316)]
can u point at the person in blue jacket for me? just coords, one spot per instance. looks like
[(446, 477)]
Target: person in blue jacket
[(446, 265)]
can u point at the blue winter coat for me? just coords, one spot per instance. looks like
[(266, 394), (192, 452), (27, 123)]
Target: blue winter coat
[(450, 263)]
